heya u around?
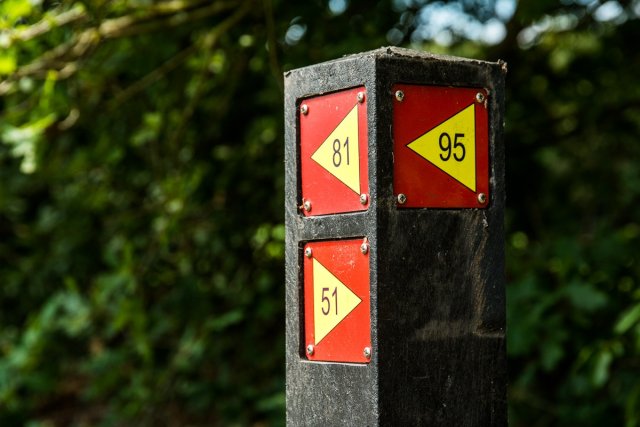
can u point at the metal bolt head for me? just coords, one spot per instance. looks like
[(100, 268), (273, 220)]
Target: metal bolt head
[(367, 352), (402, 199), (307, 205), (360, 97), (304, 109), (480, 97), (364, 248), (399, 95), (364, 198), (308, 252), (310, 350), (482, 198)]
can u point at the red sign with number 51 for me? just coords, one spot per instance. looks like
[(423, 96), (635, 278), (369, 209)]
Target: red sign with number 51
[(337, 326)]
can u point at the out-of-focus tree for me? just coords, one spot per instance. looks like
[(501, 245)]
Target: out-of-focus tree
[(141, 175)]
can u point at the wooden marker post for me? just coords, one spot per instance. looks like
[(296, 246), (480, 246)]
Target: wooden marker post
[(394, 250)]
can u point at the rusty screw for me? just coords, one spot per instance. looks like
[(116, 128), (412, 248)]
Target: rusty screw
[(307, 205)]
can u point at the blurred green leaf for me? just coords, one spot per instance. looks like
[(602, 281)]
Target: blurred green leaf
[(601, 368), (628, 319), (585, 296)]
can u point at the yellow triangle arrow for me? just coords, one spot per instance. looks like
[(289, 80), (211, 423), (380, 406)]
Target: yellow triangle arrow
[(451, 147), (339, 154), (332, 301)]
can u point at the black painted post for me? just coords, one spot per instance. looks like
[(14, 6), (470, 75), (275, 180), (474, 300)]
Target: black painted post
[(422, 342)]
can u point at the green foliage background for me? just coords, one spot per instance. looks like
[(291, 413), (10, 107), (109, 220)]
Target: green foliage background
[(141, 200)]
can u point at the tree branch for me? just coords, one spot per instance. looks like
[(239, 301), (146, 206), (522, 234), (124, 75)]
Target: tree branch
[(171, 14), (276, 70), (131, 25), (191, 106), (45, 25)]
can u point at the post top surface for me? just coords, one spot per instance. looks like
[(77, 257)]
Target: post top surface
[(403, 53)]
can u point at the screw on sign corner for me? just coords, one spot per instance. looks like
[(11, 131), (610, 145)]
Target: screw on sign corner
[(307, 206), (364, 248), (367, 353), (399, 95)]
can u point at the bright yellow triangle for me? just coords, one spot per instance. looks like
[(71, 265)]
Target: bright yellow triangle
[(332, 301), (339, 154), (451, 147)]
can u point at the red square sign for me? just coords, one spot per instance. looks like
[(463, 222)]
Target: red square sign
[(333, 153), (441, 147), (337, 325)]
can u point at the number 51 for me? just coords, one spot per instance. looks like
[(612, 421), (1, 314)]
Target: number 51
[(325, 299)]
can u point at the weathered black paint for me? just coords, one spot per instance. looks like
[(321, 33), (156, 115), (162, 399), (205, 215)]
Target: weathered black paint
[(437, 276)]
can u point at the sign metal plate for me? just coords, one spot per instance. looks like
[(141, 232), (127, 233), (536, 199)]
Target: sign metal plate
[(333, 153), (441, 147), (337, 325)]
